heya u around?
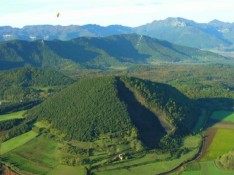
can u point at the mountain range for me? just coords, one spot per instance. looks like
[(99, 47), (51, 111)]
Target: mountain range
[(99, 52), (215, 34)]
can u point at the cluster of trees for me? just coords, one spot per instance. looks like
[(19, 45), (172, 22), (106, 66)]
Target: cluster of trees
[(16, 131), (24, 84), (227, 160), (195, 81), (17, 106), (74, 150), (8, 124)]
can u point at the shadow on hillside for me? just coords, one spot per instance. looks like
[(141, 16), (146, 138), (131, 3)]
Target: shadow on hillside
[(149, 127), (120, 48), (215, 104), (72, 50)]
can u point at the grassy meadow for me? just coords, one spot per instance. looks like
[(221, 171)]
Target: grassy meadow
[(221, 144), (208, 168), (13, 115), (152, 163), (17, 141), (70, 170), (39, 156)]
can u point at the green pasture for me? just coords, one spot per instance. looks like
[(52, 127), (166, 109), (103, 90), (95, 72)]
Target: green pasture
[(39, 156), (13, 115), (221, 144), (151, 163), (227, 116), (208, 168), (42, 155), (17, 141), (69, 170), (146, 168)]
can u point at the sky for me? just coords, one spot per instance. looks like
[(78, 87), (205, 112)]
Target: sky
[(18, 13)]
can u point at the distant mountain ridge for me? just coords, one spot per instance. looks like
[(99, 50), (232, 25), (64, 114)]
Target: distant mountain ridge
[(215, 34), (50, 32), (187, 32), (99, 52)]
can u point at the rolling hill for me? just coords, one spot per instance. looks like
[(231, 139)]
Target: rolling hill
[(99, 52), (119, 106), (29, 84)]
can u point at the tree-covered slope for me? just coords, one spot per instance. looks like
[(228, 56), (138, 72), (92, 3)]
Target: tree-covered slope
[(176, 112), (29, 83), (98, 52), (86, 109), (96, 106)]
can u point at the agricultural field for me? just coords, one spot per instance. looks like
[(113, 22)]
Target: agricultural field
[(220, 137), (147, 168), (221, 144), (38, 156), (14, 115), (17, 141), (153, 162), (43, 155), (206, 168), (64, 169)]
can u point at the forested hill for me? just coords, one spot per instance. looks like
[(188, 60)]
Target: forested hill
[(118, 105), (100, 52), (30, 83)]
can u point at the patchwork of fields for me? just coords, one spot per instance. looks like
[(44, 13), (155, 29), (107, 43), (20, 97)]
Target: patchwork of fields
[(42, 155), (219, 140)]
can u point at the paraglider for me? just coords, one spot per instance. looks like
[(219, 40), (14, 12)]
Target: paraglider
[(58, 14)]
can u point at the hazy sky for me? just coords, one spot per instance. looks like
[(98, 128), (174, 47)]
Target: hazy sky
[(19, 13)]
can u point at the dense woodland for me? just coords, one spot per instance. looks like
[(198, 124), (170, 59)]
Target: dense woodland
[(30, 84), (195, 80), (168, 101), (100, 53), (85, 110), (97, 106)]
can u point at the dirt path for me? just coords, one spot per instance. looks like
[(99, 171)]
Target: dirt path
[(226, 125), (7, 171), (208, 138)]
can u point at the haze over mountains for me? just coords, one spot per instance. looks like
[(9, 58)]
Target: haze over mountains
[(215, 34)]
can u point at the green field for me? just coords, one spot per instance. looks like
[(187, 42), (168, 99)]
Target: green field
[(17, 141), (227, 116), (13, 115), (208, 168), (69, 170), (151, 163), (146, 168), (221, 144), (39, 156)]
